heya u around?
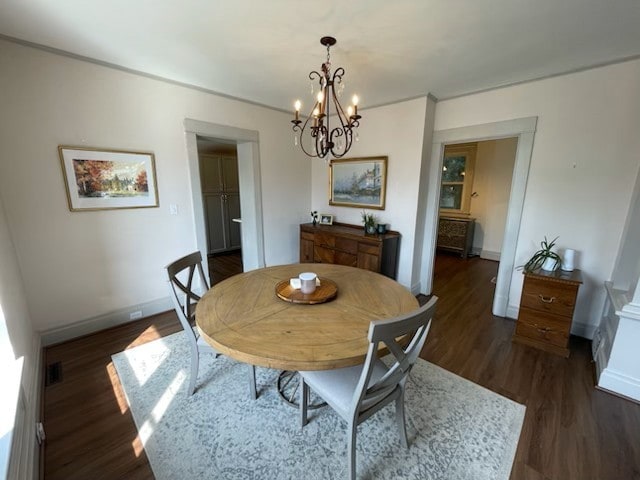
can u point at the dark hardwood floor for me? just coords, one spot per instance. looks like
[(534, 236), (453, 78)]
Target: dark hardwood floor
[(224, 265), (571, 430)]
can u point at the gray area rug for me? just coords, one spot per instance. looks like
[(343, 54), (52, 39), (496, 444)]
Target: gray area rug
[(457, 429)]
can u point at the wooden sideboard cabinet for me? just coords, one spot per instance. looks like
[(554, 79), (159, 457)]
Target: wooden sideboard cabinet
[(344, 244), (456, 234), (546, 310)]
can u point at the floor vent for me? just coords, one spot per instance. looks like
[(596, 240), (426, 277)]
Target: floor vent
[(54, 374)]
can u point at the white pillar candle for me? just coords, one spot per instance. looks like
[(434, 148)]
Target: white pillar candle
[(568, 260)]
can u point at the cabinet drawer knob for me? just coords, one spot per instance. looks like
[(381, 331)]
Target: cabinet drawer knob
[(544, 299)]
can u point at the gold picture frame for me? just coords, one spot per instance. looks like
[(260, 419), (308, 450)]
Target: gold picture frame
[(106, 179), (358, 182)]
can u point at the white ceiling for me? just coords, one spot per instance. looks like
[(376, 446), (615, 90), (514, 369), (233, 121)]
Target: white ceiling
[(262, 51)]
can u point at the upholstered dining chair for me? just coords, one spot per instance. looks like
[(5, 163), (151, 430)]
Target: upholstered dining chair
[(182, 274), (356, 393)]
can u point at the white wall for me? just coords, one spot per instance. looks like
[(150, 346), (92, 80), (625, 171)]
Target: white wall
[(397, 132), (584, 163), (81, 265), (492, 183)]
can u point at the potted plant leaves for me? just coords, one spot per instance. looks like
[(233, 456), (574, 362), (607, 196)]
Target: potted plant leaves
[(369, 220), (545, 258)]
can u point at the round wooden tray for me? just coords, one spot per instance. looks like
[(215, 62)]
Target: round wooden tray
[(325, 292)]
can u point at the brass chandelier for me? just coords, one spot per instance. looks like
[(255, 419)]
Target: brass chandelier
[(315, 131)]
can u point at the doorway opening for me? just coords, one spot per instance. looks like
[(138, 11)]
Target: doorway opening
[(474, 196), (247, 204), (524, 130), (220, 188)]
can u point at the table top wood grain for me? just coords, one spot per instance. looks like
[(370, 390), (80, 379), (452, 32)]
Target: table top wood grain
[(242, 317)]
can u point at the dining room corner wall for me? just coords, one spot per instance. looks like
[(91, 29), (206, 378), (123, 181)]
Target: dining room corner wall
[(78, 266)]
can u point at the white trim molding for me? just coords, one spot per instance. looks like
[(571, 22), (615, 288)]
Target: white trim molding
[(489, 255), (616, 382), (249, 174), (107, 320), (616, 350), (524, 129)]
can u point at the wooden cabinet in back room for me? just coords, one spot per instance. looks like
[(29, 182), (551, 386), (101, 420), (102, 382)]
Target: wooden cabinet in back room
[(221, 199)]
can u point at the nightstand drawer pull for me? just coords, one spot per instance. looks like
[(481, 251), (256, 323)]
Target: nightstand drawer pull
[(544, 299)]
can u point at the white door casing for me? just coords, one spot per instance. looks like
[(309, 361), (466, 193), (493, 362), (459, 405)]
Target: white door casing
[(522, 128), (250, 188)]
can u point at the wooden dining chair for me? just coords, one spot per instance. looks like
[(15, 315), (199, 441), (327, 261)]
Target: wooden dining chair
[(356, 393), (182, 274)]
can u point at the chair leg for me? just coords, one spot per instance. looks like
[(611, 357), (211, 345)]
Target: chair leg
[(353, 427), (252, 382), (304, 397), (400, 419), (195, 359)]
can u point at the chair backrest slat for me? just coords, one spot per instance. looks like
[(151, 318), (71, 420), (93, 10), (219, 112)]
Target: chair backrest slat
[(415, 324), (183, 295)]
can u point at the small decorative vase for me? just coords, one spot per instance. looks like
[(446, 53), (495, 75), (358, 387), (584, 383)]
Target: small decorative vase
[(549, 264), (370, 229)]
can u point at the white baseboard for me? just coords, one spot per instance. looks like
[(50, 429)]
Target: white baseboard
[(584, 330), (489, 255), (95, 324), (415, 288), (512, 311), (619, 383)]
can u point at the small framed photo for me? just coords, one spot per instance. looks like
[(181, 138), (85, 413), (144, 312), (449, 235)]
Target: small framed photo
[(358, 182), (326, 219), (103, 179)]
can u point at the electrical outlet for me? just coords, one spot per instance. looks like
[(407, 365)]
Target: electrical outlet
[(135, 315)]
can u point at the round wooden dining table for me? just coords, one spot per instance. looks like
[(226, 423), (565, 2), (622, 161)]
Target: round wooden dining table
[(242, 317)]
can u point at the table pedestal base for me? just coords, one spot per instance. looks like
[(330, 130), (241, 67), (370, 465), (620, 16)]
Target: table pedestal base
[(288, 385)]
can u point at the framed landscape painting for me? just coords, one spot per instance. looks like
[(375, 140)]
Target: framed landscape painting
[(358, 182), (101, 179)]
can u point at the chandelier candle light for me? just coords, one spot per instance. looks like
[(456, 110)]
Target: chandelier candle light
[(324, 139)]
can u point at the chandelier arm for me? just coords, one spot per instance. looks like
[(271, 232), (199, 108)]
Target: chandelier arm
[(345, 127), (337, 75), (313, 74), (303, 129)]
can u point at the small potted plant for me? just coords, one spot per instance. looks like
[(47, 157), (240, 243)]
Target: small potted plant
[(369, 220), (545, 258)]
